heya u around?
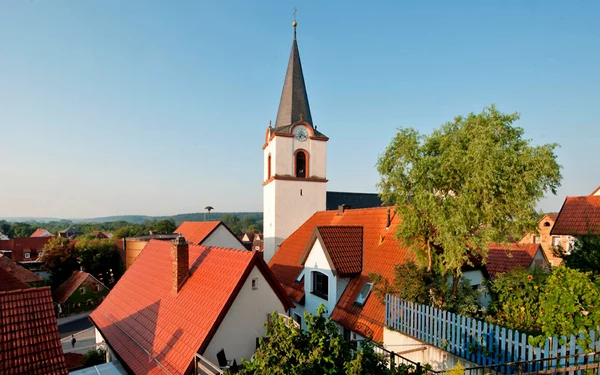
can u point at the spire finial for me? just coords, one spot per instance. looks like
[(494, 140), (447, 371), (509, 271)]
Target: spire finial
[(295, 23)]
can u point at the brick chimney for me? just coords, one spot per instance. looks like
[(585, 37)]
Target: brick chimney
[(180, 254)]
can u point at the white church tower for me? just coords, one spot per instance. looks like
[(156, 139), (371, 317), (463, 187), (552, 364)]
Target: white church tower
[(295, 181)]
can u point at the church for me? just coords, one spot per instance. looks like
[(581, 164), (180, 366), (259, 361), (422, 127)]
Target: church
[(295, 156)]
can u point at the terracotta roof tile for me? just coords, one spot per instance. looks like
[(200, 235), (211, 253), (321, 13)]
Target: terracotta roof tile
[(345, 247), (39, 232), (17, 271), (196, 231), (151, 328), (20, 246), (505, 258), (64, 290), (29, 339), (74, 361), (578, 216), (9, 282), (381, 251)]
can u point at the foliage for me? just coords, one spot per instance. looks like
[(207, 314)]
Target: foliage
[(472, 182), (570, 304), (457, 370), (60, 259), (101, 258), (138, 226), (585, 254), (94, 357), (164, 226), (414, 283), (319, 349), (516, 299)]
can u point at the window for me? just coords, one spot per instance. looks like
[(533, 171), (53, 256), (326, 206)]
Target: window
[(320, 285), (82, 290), (97, 288), (255, 283), (346, 334), (536, 239), (298, 319), (364, 294), (555, 240), (27, 255), (301, 161), (269, 167), (546, 224)]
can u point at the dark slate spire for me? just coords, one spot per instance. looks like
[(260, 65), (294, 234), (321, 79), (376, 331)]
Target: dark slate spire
[(293, 105)]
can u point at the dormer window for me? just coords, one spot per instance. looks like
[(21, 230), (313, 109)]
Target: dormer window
[(301, 164), (320, 285), (364, 294)]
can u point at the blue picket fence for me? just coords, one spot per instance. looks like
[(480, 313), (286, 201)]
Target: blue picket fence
[(483, 343)]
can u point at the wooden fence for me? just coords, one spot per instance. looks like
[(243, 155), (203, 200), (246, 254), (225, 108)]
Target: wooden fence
[(483, 343)]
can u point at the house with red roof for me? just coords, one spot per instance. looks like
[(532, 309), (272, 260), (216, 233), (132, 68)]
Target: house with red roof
[(29, 338), (180, 299), (41, 232), (80, 292), (504, 258), (579, 216), (23, 249), (206, 233), (328, 261), (3, 236), (548, 241)]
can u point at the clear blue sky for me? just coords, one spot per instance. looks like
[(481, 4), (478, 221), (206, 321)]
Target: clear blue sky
[(160, 107)]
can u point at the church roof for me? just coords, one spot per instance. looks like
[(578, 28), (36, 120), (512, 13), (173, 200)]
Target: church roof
[(354, 200), (293, 106)]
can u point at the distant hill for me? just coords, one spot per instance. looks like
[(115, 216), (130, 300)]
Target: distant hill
[(139, 219)]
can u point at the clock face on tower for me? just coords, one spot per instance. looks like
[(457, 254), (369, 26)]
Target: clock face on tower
[(300, 133)]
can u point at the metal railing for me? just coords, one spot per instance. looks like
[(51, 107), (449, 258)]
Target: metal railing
[(205, 367)]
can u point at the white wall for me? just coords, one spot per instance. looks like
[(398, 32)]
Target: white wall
[(221, 237), (476, 277), (439, 359), (245, 320), (538, 260), (287, 205), (316, 261)]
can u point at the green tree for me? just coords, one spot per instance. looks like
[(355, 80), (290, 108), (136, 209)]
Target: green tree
[(132, 230), (4, 227), (585, 255), (94, 357), (21, 230), (472, 182), (60, 259), (164, 226), (101, 258), (319, 349), (570, 304)]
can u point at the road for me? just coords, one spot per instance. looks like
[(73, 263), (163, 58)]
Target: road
[(86, 340), (73, 327)]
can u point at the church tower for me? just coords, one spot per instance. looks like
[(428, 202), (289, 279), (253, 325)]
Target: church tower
[(295, 181)]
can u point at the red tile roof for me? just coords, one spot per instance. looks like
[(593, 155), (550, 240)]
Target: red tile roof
[(17, 271), (29, 339), (39, 232), (74, 361), (343, 246), (504, 258), (149, 327), (381, 251), (20, 246), (196, 231), (64, 290), (9, 282), (578, 216)]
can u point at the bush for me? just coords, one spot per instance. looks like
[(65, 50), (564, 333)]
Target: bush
[(94, 357)]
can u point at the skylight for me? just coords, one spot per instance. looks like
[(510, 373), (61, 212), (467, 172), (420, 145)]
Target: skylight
[(364, 293)]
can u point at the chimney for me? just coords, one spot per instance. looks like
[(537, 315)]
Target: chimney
[(342, 208), (180, 256), (389, 219)]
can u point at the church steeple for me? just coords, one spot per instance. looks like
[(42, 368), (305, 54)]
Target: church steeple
[(293, 105)]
